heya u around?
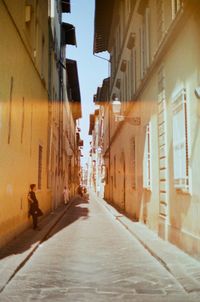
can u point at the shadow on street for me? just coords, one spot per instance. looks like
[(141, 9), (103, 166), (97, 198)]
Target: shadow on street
[(77, 210), (29, 237)]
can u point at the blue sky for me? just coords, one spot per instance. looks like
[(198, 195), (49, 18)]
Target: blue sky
[(92, 70)]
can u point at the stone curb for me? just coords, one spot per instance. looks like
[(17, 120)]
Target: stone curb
[(174, 261), (12, 271)]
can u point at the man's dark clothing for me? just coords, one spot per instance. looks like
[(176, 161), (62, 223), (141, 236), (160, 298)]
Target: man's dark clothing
[(34, 208)]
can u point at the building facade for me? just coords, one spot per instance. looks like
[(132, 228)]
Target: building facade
[(151, 148), (34, 110), (96, 161)]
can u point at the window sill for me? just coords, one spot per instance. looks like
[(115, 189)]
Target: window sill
[(183, 191)]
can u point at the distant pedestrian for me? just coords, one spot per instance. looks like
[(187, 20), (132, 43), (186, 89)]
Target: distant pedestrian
[(80, 190), (34, 209), (85, 195), (66, 195), (98, 190)]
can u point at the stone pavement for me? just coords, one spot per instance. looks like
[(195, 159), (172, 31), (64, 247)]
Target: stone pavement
[(15, 254), (90, 256), (183, 267)]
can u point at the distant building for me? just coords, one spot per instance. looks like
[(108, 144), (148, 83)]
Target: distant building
[(38, 123), (96, 166), (151, 148)]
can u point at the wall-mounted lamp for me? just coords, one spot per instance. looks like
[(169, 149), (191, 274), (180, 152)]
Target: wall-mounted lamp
[(116, 108)]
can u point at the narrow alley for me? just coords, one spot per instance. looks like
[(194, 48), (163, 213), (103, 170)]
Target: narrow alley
[(89, 256), (99, 151)]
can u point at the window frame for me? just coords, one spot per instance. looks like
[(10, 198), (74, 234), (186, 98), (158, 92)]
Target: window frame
[(180, 101), (40, 157), (176, 7), (133, 163), (147, 159)]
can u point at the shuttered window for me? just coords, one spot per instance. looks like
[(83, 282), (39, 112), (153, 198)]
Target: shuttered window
[(176, 6), (40, 167), (180, 142), (145, 43), (147, 159), (133, 72), (160, 19), (133, 162), (115, 176), (141, 52), (147, 38)]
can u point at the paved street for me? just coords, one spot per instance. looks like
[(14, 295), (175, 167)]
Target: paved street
[(89, 256)]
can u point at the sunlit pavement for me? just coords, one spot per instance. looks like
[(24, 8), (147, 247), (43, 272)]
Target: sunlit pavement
[(90, 256)]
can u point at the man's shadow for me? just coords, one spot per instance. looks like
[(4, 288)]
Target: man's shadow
[(77, 210)]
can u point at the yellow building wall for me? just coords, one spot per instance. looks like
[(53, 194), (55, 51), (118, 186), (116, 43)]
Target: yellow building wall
[(185, 208), (181, 63), (23, 110)]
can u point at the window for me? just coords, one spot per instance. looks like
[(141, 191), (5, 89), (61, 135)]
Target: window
[(126, 84), (145, 43), (123, 88), (49, 143), (22, 124), (133, 74), (161, 80), (180, 142), (36, 28), (42, 57), (118, 42), (123, 16), (115, 176), (40, 167), (128, 7), (69, 171), (29, 19), (1, 122), (106, 176), (141, 53), (133, 162), (176, 6), (114, 59), (160, 19), (128, 81), (147, 37), (10, 110), (147, 158)]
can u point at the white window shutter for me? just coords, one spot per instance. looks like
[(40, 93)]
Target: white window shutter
[(180, 142), (147, 159)]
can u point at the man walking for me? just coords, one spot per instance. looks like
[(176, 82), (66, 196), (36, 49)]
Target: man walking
[(34, 209)]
